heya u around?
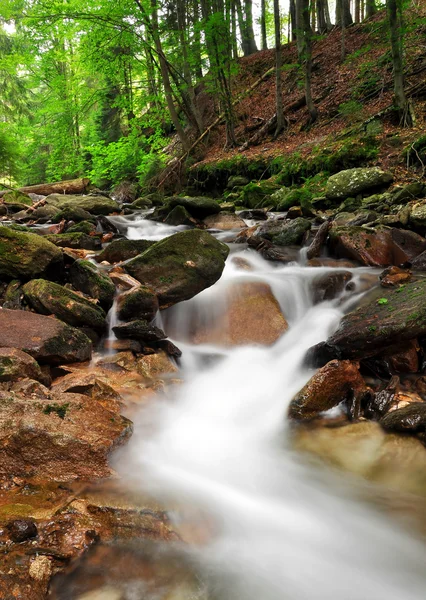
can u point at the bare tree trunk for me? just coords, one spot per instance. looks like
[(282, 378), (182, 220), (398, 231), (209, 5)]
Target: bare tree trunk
[(278, 67), (313, 16), (343, 49), (304, 45), (263, 25), (327, 16), (249, 21), (322, 26), (370, 8), (396, 39), (234, 30), (293, 18), (196, 41), (357, 11)]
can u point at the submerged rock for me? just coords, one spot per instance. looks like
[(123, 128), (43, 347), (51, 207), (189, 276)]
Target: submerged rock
[(338, 381), (351, 182), (26, 255), (179, 267), (397, 315), (86, 278), (46, 339), (50, 298)]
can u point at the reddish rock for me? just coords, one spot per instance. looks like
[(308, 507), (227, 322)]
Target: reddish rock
[(46, 339), (330, 285), (368, 246), (394, 276), (89, 384), (224, 222), (406, 360), (15, 364), (252, 316), (338, 381)]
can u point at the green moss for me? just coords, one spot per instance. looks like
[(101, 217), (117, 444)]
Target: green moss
[(58, 409)]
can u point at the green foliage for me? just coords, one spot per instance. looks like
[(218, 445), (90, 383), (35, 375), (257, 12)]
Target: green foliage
[(382, 301), (352, 110)]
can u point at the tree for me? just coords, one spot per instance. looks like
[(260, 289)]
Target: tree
[(394, 10), (245, 22), (263, 25), (370, 8), (278, 67), (304, 47)]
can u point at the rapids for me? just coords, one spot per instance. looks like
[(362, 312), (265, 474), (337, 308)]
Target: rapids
[(218, 449)]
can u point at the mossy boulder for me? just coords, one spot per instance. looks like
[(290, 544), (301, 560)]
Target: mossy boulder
[(141, 203), (26, 255), (139, 330), (284, 233), (17, 199), (410, 191), (83, 227), (179, 216), (254, 194), (15, 364), (237, 181), (45, 213), (297, 197), (180, 266), (137, 303), (95, 205), (352, 182), (71, 213), (50, 298), (86, 278), (46, 339), (198, 207), (120, 250), (75, 240)]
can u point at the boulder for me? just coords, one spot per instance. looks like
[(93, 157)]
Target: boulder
[(141, 203), (237, 181), (46, 339), (356, 181), (71, 213), (86, 278), (180, 266), (417, 217), (26, 255), (252, 316), (15, 364), (394, 277), (284, 233), (224, 222), (409, 192), (336, 382), (82, 227), (59, 436), (198, 207), (120, 250), (179, 216), (139, 330), (77, 240), (49, 298), (155, 366), (95, 205), (89, 384), (409, 419), (389, 317), (330, 285), (137, 303)]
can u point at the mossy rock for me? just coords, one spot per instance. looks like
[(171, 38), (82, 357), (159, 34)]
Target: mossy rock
[(180, 266), (75, 240), (27, 255), (352, 182), (17, 198), (253, 194), (237, 181), (120, 250), (50, 298), (86, 278), (137, 303), (83, 227), (95, 205), (141, 203), (44, 213), (15, 365), (139, 330), (72, 213), (350, 205), (297, 197), (179, 216), (293, 233), (198, 207)]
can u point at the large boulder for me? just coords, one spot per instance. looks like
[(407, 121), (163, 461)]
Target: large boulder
[(356, 181), (95, 205), (86, 278), (180, 266), (46, 339), (336, 382), (198, 207), (71, 213), (119, 250), (26, 255), (252, 316), (57, 436), (137, 303), (391, 316), (75, 240), (49, 298)]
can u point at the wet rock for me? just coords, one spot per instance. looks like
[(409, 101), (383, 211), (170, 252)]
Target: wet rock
[(381, 401), (50, 298), (284, 233), (139, 330), (120, 250), (410, 419), (155, 366), (75, 241), (294, 212), (15, 364), (89, 384), (198, 207), (123, 345), (179, 267), (86, 278), (45, 213), (396, 316), (418, 216), (71, 213), (95, 205), (318, 241), (336, 382), (394, 277), (237, 181), (367, 246), (137, 303), (330, 285), (63, 437), (409, 192), (169, 348), (13, 295), (252, 316), (141, 203), (180, 216), (419, 263), (26, 255), (256, 214), (46, 339), (21, 530), (82, 227), (224, 222), (352, 182), (406, 360), (406, 245)]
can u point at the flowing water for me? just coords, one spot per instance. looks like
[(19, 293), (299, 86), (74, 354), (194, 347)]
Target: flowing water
[(219, 446)]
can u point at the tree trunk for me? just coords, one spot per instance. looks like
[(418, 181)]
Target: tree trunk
[(343, 13), (249, 24), (278, 67), (263, 25), (357, 11), (196, 42), (72, 186), (322, 25), (304, 46), (293, 18), (396, 39), (370, 8), (234, 30), (327, 16)]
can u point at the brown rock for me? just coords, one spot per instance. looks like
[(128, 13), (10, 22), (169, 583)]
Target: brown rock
[(46, 339), (330, 285), (15, 364), (368, 246), (155, 366), (407, 360), (338, 381), (90, 385), (394, 276), (252, 316), (62, 437), (224, 222)]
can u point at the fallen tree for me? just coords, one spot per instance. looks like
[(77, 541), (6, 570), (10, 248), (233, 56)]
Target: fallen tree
[(72, 186)]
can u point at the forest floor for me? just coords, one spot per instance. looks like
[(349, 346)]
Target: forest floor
[(347, 94)]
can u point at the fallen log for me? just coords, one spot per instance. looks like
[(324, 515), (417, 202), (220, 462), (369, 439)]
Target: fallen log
[(72, 186)]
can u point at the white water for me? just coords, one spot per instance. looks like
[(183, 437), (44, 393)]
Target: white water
[(218, 444)]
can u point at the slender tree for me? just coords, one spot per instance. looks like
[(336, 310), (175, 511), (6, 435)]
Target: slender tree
[(278, 67), (370, 8), (304, 46), (263, 25), (394, 11)]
